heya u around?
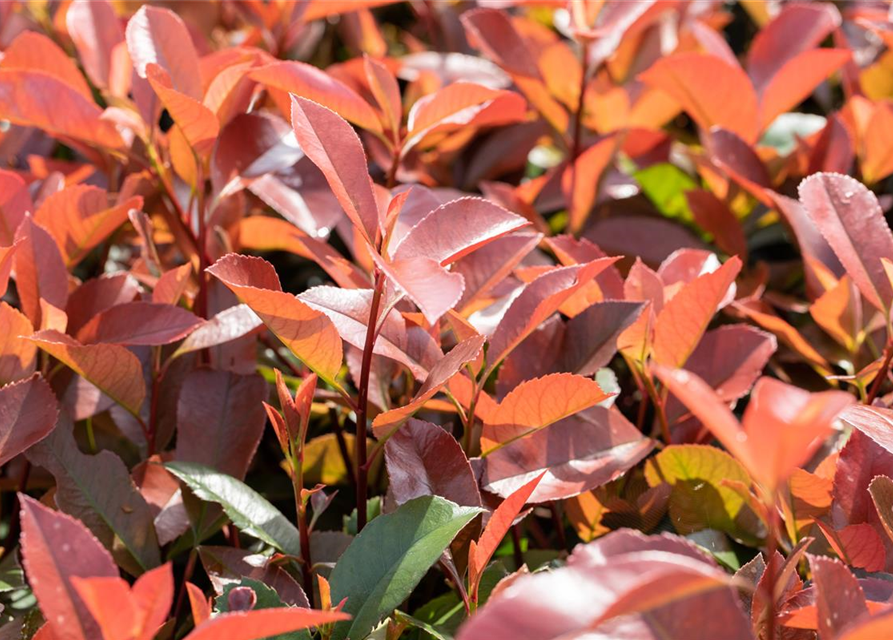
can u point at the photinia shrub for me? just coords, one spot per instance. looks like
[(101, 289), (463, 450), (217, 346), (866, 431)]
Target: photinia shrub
[(476, 320)]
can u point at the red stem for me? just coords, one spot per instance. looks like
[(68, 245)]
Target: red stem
[(881, 374), (362, 473)]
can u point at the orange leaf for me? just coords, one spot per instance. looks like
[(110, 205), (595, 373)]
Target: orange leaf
[(33, 51), (309, 334), (537, 403), (79, 218), (684, 319), (112, 368), (37, 99), (713, 92), (262, 623), (501, 521), (196, 122)]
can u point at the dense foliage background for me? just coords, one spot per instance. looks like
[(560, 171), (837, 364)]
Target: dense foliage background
[(434, 319)]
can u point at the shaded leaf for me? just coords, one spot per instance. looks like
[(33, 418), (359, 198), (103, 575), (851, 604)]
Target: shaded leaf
[(139, 323), (424, 460), (28, 413), (99, 492), (220, 420)]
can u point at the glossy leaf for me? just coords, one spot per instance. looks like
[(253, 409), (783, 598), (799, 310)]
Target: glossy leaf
[(418, 530), (424, 460), (36, 99), (156, 35), (713, 92), (850, 219), (248, 510), (683, 320), (577, 454), (498, 526), (334, 147)]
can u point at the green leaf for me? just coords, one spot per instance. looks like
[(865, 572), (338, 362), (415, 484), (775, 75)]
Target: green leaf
[(699, 499), (665, 186), (390, 556), (247, 509)]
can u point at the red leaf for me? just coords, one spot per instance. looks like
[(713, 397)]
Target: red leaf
[(782, 426), (729, 359), (796, 28), (36, 99), (384, 87), (18, 357), (839, 598), (158, 35), (40, 271), (348, 309), (859, 545), (220, 420), (713, 92), (492, 31), (112, 368), (539, 300), (797, 79), (851, 220), (440, 374), (334, 147), (500, 523), (124, 612), (684, 319), (14, 202), (95, 31), (28, 413), (458, 105), (715, 217), (623, 574), (226, 326), (139, 323), (314, 84), (424, 460), (262, 623), (455, 229), (424, 281), (49, 540), (306, 332), (97, 295), (577, 454), (33, 51)]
